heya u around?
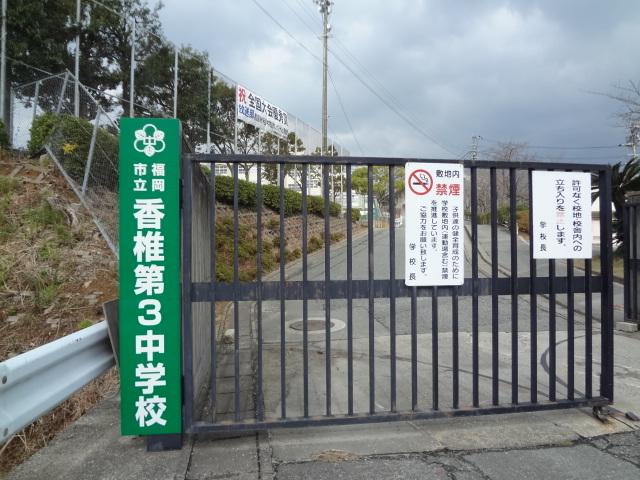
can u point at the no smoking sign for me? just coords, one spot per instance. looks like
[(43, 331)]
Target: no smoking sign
[(434, 226), (420, 182)]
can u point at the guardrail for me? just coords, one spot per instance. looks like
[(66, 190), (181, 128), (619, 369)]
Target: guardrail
[(35, 382)]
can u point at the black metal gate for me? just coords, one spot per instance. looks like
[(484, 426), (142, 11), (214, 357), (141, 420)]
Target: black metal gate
[(504, 341)]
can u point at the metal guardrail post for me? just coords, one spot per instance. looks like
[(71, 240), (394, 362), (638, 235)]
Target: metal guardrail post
[(92, 146)]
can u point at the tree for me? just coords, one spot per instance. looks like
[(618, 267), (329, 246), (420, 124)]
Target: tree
[(223, 108), (629, 96), (111, 35), (625, 178), (360, 182), (38, 34), (508, 152), (272, 145), (155, 87)]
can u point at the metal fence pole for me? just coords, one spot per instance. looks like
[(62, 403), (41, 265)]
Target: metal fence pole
[(132, 67), (175, 84), (76, 86), (92, 147), (3, 61), (209, 112), (35, 101), (62, 92)]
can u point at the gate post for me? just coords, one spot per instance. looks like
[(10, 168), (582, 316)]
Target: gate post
[(630, 221), (606, 299), (150, 323)]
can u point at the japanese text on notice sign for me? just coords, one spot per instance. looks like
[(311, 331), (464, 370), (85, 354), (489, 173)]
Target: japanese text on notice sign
[(561, 214), (434, 236)]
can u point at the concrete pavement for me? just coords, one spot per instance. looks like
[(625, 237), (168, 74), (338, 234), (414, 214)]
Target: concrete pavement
[(569, 444), (553, 444)]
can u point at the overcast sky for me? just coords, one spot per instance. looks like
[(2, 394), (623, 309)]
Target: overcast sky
[(521, 71)]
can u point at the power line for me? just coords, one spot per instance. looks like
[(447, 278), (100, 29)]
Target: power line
[(344, 112), (391, 107), (560, 147)]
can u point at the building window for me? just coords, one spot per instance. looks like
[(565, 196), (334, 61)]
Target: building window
[(221, 169)]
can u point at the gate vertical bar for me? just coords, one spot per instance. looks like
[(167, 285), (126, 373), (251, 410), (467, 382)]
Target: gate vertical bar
[(570, 330), (260, 399), (634, 278), (372, 365), (327, 285), (213, 279), (475, 286), (282, 261), (627, 257), (236, 304), (305, 302), (494, 295), (349, 295), (187, 220), (533, 302), (513, 227), (455, 348), (434, 347), (588, 322), (414, 348), (552, 330), (606, 301), (392, 285)]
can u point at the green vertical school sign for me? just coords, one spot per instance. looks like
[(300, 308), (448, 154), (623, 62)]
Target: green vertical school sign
[(150, 352)]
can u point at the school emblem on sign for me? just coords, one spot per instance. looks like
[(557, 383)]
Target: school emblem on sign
[(149, 140)]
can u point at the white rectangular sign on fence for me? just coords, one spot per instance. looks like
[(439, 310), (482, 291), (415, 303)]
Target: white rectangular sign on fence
[(562, 225), (434, 224), (256, 111)]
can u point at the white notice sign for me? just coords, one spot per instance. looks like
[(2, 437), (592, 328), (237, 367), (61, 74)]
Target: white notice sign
[(434, 236), (561, 215)]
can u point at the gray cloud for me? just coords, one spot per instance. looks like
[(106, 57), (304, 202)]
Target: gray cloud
[(508, 70)]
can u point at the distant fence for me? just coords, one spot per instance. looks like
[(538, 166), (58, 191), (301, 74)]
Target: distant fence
[(85, 148)]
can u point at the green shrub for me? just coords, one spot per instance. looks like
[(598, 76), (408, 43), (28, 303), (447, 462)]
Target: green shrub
[(504, 215), (7, 222), (523, 220), (7, 185), (336, 237), (271, 198), (273, 223), (4, 136), (41, 130), (355, 215), (315, 243), (72, 144), (86, 323), (44, 216)]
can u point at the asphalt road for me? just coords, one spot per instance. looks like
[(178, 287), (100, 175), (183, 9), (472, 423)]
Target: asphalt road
[(377, 340)]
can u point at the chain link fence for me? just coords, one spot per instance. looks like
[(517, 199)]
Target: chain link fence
[(85, 148)]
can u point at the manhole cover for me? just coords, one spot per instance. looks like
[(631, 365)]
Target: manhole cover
[(315, 325), (312, 325)]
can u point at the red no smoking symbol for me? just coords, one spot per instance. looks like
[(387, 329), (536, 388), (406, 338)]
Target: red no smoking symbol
[(420, 182)]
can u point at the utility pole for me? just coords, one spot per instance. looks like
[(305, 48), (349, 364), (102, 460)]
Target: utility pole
[(633, 139), (324, 6), (474, 146), (76, 84)]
